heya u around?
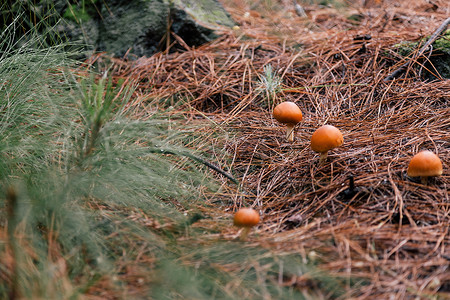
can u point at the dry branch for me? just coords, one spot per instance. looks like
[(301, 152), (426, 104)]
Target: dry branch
[(398, 72)]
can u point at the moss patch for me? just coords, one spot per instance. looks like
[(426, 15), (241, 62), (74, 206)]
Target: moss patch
[(439, 61), (209, 13)]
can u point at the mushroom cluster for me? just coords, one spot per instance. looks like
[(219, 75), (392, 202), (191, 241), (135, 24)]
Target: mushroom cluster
[(327, 137), (323, 140)]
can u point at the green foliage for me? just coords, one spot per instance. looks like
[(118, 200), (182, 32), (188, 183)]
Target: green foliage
[(81, 11), (23, 17), (436, 63), (269, 85), (76, 14), (53, 22), (219, 269), (442, 44), (67, 143)]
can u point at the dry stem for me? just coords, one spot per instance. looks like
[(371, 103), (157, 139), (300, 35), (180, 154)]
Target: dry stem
[(290, 132)]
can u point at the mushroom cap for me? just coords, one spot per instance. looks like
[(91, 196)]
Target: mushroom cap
[(246, 217), (424, 164), (326, 138), (287, 113)]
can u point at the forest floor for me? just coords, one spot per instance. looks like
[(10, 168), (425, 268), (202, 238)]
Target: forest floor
[(391, 235)]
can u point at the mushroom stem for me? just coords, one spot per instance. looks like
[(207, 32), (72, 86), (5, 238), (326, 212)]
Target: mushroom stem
[(290, 132), (323, 157), (424, 180), (244, 233)]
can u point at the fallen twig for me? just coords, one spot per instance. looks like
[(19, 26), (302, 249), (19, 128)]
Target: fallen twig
[(200, 160), (398, 72)]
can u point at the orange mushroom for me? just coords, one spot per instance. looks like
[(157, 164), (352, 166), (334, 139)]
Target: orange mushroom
[(290, 114), (324, 139), (246, 218), (425, 164)]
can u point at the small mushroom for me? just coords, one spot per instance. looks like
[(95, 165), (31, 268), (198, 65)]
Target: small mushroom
[(425, 164), (324, 139), (290, 114), (246, 218)]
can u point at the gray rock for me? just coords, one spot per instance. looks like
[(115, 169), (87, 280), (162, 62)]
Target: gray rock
[(139, 27), (136, 27)]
